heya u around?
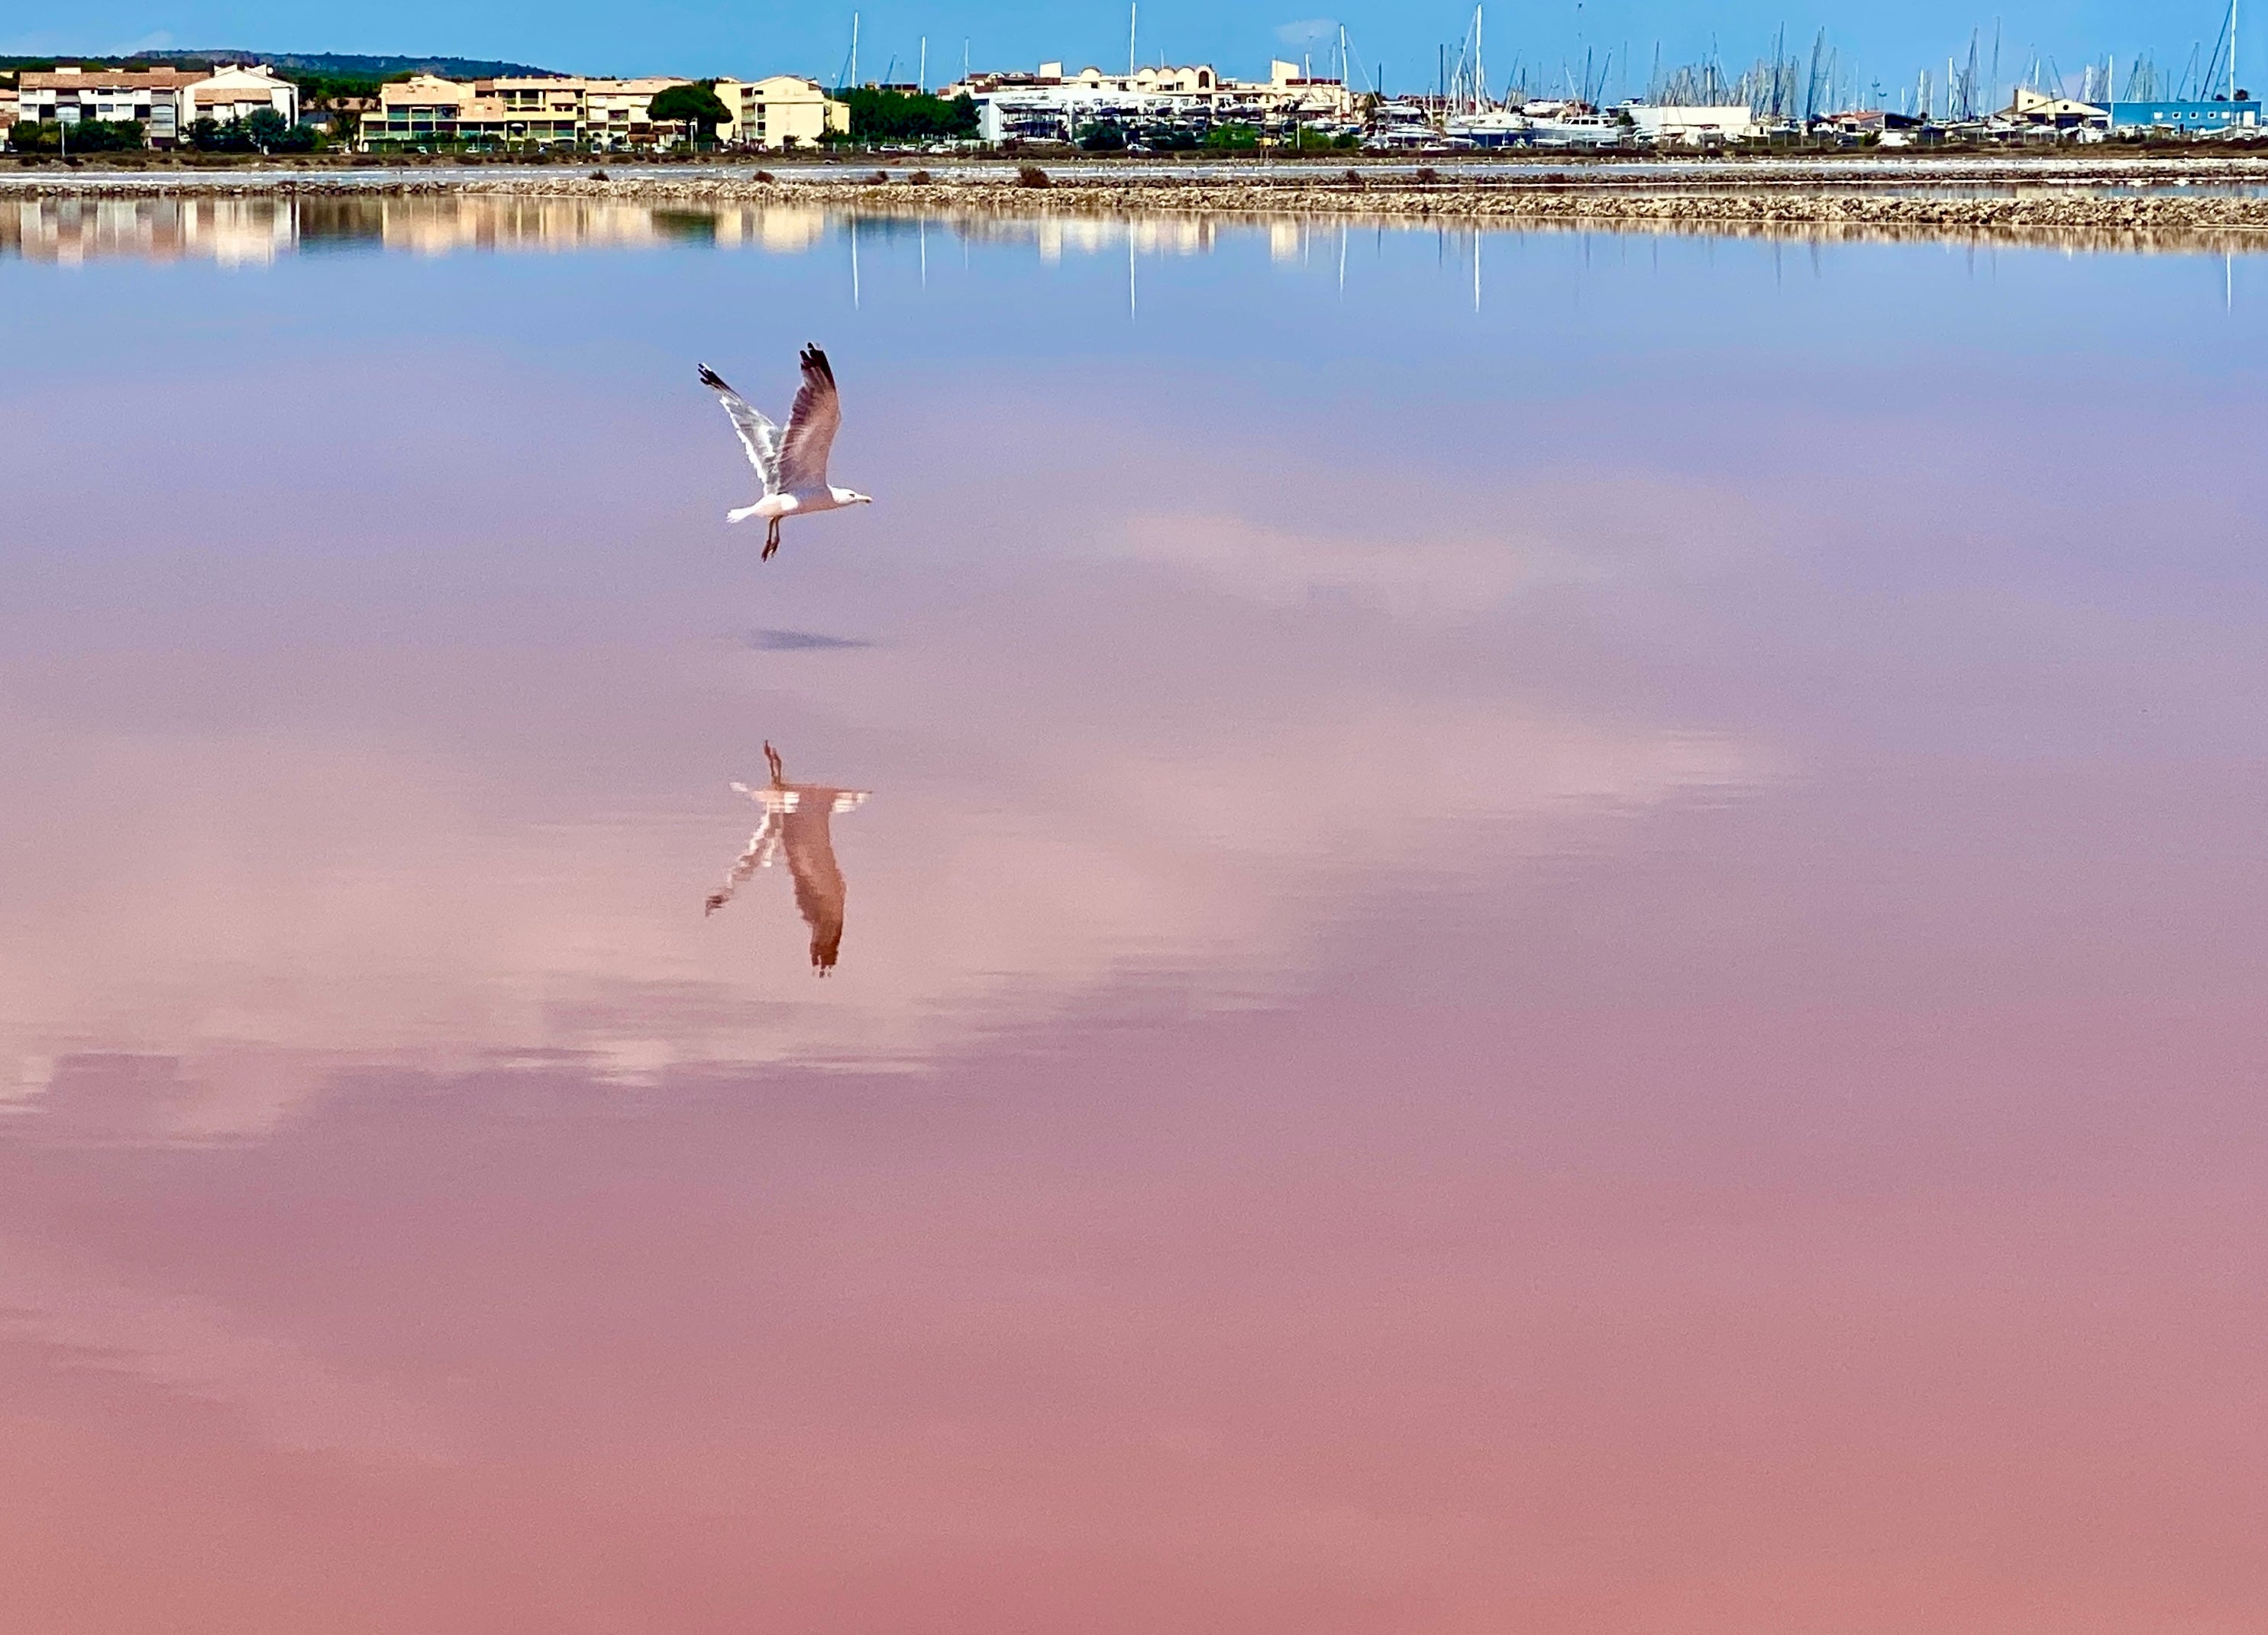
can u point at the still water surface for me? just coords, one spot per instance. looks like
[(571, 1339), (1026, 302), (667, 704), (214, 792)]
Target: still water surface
[(1558, 932)]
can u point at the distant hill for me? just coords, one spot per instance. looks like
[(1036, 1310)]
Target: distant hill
[(341, 66), (330, 64)]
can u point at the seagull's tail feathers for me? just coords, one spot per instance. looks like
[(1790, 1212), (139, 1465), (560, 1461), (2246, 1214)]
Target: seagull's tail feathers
[(744, 513)]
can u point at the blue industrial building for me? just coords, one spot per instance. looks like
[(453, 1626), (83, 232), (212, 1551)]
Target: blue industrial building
[(2220, 113)]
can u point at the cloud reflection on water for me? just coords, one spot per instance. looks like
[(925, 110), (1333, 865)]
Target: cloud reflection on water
[(227, 931)]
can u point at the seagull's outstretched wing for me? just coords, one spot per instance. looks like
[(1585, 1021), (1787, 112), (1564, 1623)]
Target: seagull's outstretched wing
[(758, 435), (811, 426), (763, 846)]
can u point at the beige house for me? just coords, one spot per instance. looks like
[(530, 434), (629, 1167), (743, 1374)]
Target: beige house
[(1196, 80), (421, 108), (606, 114), (2038, 108), (544, 111), (229, 94), (617, 112), (1291, 90), (784, 111)]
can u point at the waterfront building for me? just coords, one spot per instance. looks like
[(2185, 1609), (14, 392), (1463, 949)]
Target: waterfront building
[(234, 92), (422, 108), (2217, 117), (1052, 105), (1886, 126), (619, 113), (1692, 127), (164, 101), (2040, 110), (540, 112), (149, 97), (784, 111), (543, 110)]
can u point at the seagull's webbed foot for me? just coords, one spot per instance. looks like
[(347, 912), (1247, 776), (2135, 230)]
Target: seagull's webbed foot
[(772, 542)]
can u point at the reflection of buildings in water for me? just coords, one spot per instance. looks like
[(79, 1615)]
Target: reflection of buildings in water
[(256, 230), (1094, 235), (438, 226), (234, 232), (797, 819), (231, 231), (781, 229)]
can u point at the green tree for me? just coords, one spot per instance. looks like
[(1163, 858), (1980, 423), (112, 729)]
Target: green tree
[(210, 136), (1233, 137), (903, 116), (317, 90), (88, 136), (696, 105), (266, 130)]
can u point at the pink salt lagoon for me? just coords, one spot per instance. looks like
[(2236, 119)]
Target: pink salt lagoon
[(1569, 944)]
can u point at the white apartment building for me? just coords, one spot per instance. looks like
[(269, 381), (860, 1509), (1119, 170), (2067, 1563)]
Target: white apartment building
[(1692, 126), (152, 97), (229, 94), (1053, 106), (784, 111), (165, 101)]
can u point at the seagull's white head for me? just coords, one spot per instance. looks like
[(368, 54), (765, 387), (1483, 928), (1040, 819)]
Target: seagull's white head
[(852, 497)]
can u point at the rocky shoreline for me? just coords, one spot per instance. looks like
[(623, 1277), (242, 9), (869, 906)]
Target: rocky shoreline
[(2116, 209)]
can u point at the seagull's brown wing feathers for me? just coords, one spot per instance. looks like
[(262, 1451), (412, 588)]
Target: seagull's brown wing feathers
[(811, 426)]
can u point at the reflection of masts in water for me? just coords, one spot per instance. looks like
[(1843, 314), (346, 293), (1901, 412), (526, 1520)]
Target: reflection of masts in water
[(796, 821)]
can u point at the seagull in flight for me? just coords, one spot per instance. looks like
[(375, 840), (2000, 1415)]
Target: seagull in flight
[(793, 466)]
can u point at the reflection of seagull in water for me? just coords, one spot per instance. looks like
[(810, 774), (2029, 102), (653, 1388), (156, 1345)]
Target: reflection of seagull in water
[(796, 818), (793, 466)]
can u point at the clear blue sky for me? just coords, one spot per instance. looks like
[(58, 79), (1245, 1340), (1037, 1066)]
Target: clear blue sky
[(1888, 40)]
